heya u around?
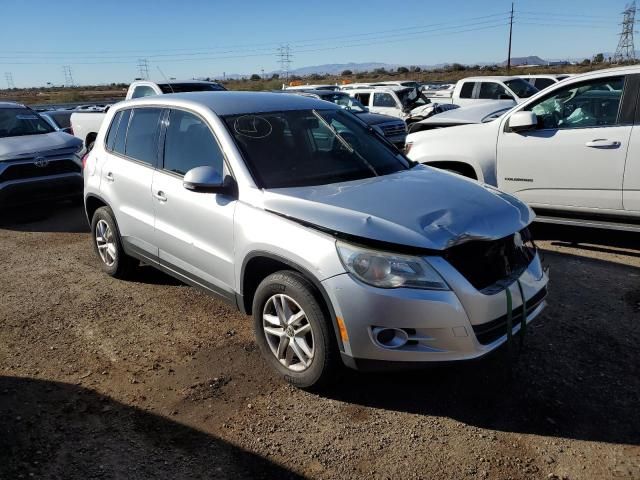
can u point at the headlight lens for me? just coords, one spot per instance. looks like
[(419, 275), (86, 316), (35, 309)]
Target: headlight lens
[(389, 270)]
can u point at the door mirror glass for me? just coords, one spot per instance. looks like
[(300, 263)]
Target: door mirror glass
[(522, 121), (203, 179)]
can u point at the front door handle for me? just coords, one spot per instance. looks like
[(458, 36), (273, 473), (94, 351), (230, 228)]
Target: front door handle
[(109, 177), (160, 196), (603, 143)]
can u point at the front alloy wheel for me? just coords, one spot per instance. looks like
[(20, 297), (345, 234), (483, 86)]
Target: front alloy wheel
[(288, 332)]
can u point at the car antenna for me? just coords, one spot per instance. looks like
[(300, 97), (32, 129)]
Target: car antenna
[(165, 78)]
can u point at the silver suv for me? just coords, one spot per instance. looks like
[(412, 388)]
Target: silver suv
[(298, 213)]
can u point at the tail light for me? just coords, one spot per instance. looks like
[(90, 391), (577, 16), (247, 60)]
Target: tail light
[(84, 160)]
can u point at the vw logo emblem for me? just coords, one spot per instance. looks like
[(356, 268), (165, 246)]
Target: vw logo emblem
[(41, 162)]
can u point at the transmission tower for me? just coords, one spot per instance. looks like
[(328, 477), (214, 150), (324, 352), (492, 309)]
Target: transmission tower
[(143, 68), (626, 50), (9, 77), (284, 57), (68, 76)]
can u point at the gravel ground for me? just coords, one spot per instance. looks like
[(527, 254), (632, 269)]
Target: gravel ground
[(150, 378)]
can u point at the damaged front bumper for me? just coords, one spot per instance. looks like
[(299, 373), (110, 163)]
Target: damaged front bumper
[(430, 326)]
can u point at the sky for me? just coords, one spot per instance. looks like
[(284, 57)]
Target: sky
[(102, 41)]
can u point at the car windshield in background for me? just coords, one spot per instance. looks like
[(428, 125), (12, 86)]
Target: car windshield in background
[(190, 87), (344, 101), (521, 88), (311, 147), (412, 98), (61, 119), (16, 122)]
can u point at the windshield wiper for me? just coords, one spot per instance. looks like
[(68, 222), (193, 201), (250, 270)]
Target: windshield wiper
[(344, 143)]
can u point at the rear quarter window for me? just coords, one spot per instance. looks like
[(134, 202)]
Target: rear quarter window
[(467, 90), (121, 134)]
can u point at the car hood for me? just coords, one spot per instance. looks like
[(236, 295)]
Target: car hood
[(54, 143), (377, 118), (469, 114), (423, 208)]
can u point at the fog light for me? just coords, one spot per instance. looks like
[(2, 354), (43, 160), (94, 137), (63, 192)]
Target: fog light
[(390, 337)]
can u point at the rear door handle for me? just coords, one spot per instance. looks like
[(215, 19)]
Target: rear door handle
[(160, 196), (109, 177), (602, 143)]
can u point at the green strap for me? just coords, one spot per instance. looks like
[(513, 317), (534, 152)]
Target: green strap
[(509, 321), (523, 322)]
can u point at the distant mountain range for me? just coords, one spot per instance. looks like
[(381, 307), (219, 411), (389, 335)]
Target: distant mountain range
[(338, 68)]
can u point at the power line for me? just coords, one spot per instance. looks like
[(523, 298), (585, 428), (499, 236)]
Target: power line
[(626, 50), (9, 78), (68, 77), (143, 68)]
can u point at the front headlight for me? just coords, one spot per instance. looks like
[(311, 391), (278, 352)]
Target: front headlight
[(389, 270)]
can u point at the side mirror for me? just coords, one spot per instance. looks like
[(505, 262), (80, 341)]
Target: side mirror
[(205, 179), (68, 130), (522, 121), (505, 96)]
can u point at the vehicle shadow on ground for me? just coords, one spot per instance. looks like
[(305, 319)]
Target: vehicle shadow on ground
[(58, 430), (578, 376), (61, 217), (152, 276), (600, 240)]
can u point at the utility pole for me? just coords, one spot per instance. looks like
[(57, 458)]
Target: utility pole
[(510, 35), (143, 68), (9, 77), (626, 51), (284, 57), (68, 77)]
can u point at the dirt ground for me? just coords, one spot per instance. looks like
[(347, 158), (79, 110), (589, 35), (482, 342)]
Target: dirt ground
[(150, 378)]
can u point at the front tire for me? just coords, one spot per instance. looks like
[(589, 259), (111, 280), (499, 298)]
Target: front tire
[(292, 330), (108, 245)]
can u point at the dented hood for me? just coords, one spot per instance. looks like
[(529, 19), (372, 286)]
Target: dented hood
[(54, 143), (421, 208)]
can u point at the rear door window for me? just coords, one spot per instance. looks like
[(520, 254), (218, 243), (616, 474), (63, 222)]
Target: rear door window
[(142, 136), (121, 134), (113, 130), (467, 90)]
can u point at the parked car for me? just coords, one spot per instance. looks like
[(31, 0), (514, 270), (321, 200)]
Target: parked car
[(401, 102), (312, 87), (543, 81), (85, 125), (37, 163), (58, 119), (571, 152), (484, 112), (437, 90), (292, 210), (397, 83), (474, 90), (393, 129)]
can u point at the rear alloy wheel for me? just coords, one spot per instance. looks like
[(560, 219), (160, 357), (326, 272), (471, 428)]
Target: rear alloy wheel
[(108, 246), (292, 330)]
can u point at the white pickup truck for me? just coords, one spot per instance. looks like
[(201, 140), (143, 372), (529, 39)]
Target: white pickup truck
[(572, 151), (85, 125), (475, 90)]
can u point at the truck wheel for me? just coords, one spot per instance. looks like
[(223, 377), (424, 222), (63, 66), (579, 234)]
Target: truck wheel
[(292, 330), (108, 245)]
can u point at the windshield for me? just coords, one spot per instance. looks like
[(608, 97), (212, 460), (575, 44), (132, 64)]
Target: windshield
[(521, 88), (311, 147), (190, 87), (412, 98), (15, 122), (345, 101)]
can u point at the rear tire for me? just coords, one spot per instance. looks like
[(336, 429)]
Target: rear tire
[(295, 338), (108, 245)]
